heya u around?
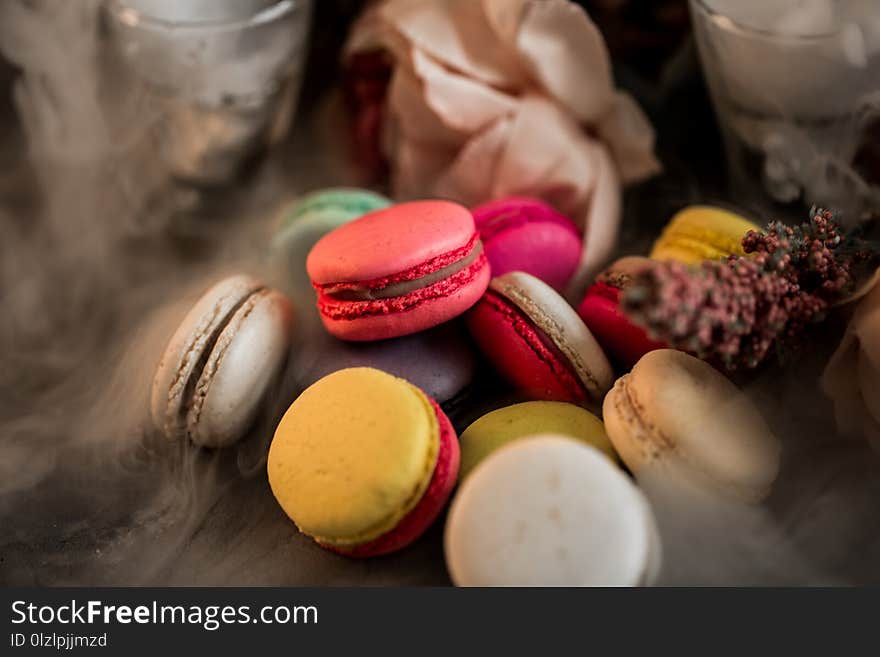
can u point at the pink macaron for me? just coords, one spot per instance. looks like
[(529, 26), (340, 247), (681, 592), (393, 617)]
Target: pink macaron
[(398, 271), (525, 234)]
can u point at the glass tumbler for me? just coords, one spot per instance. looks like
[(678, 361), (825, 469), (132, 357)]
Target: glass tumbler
[(795, 85), (216, 80)]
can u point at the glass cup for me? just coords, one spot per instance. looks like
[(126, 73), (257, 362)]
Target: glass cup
[(216, 79), (795, 87)]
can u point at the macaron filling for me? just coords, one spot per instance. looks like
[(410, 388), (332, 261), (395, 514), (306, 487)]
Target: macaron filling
[(436, 278), (366, 292), (540, 343)]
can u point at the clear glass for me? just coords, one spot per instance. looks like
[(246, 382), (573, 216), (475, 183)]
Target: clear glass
[(219, 78), (794, 91)]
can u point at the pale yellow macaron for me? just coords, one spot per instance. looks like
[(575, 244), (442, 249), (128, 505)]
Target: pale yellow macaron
[(702, 232), (504, 425)]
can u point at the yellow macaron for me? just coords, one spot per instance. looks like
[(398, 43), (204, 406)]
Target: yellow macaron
[(702, 232), (504, 425), (353, 455)]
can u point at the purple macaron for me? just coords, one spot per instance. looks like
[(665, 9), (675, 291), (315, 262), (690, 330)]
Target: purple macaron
[(525, 234)]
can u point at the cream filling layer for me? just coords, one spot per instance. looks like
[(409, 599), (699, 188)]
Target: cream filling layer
[(364, 293)]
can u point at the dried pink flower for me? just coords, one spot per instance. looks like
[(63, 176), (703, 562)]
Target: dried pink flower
[(735, 311)]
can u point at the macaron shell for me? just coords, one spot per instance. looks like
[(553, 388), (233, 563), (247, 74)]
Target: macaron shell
[(186, 349), (504, 425), (414, 524), (700, 233), (430, 308), (353, 455), (304, 222), (674, 406), (245, 360), (554, 317), (526, 235), (344, 201), (549, 511), (521, 354), (290, 247), (389, 241)]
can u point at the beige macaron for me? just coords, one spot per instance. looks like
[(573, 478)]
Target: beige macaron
[(548, 510), (676, 416), (220, 362), (852, 377)]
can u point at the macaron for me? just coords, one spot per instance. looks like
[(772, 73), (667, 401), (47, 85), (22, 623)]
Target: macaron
[(504, 425), (550, 511), (702, 232), (439, 361), (398, 271), (525, 234), (305, 221), (363, 462), (674, 417), (537, 341), (624, 341), (349, 202), (221, 361)]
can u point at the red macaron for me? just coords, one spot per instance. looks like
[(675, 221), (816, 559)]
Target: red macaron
[(538, 343), (398, 271), (525, 234), (623, 340)]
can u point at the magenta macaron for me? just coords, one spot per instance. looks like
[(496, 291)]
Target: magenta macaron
[(525, 234), (398, 270)]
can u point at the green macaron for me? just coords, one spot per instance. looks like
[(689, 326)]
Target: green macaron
[(502, 426), (305, 221)]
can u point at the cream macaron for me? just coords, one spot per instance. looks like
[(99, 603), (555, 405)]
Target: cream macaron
[(548, 510), (220, 362), (676, 416)]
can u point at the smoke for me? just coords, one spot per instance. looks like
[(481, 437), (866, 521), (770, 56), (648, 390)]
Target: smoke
[(101, 254)]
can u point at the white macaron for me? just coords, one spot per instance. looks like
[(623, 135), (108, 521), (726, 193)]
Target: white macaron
[(220, 362), (550, 511)]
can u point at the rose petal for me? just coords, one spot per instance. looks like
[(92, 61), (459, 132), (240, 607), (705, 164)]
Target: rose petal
[(630, 138), (456, 33), (566, 54), (546, 156), (602, 222), (471, 177), (414, 117), (460, 102)]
